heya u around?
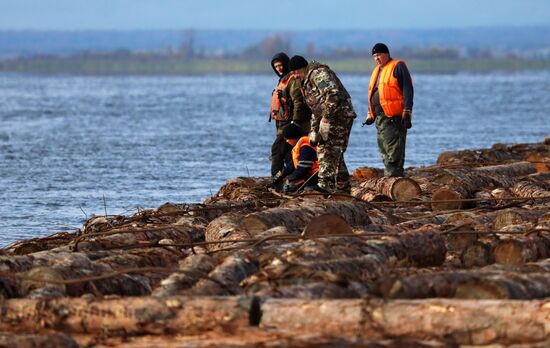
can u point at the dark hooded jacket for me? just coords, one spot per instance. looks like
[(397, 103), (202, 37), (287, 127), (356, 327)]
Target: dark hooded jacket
[(281, 56), (301, 114)]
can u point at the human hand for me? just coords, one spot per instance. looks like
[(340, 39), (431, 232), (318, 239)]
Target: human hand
[(406, 119)]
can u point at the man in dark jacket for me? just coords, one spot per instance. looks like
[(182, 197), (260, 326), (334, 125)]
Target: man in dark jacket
[(280, 114), (287, 105), (390, 108)]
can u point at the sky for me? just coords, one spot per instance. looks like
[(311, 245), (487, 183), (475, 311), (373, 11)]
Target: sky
[(262, 14)]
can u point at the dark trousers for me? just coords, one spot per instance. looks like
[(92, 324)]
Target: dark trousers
[(279, 150), (391, 143)]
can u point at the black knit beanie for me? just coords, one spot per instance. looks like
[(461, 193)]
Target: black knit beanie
[(297, 62), (380, 48), (293, 131)]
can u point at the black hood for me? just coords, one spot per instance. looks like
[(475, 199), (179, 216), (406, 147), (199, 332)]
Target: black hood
[(284, 59)]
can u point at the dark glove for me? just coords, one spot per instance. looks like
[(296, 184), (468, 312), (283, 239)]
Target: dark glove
[(368, 120), (406, 119), (314, 138), (287, 187)]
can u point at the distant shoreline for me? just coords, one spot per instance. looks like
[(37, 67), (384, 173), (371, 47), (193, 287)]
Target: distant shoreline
[(108, 66)]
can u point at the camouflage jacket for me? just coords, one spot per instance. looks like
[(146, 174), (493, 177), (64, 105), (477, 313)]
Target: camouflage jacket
[(325, 94)]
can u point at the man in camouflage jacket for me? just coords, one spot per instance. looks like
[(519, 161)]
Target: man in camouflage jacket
[(331, 121)]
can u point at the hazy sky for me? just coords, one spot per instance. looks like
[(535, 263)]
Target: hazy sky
[(261, 14)]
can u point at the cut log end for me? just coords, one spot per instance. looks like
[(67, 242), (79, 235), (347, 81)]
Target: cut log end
[(327, 224), (478, 254), (509, 252), (405, 189), (441, 197)]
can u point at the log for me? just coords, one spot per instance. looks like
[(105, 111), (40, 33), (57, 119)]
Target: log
[(505, 286), (75, 265), (441, 196), (225, 279), (516, 216), (327, 224), (128, 316), (485, 283), (457, 321), (192, 269), (369, 195), (529, 189), (10, 340), (368, 173), (398, 189), (522, 249), (477, 254), (457, 241), (225, 227), (296, 215)]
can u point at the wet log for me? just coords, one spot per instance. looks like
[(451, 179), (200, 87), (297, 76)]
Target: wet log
[(368, 173), (127, 316), (191, 270), (186, 231), (457, 321), (541, 266), (529, 189), (457, 241), (10, 340), (462, 183), (225, 279), (398, 189), (449, 198), (296, 215), (517, 216), (522, 249), (485, 283), (311, 290), (477, 254), (423, 285), (505, 286), (50, 265), (369, 195), (225, 227), (326, 224), (243, 189)]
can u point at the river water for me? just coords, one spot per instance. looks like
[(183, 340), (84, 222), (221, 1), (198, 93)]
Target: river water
[(72, 147)]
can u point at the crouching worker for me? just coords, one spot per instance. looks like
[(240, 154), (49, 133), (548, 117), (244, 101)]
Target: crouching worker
[(302, 172)]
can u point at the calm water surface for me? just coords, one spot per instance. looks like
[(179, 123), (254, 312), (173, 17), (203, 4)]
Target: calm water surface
[(71, 147)]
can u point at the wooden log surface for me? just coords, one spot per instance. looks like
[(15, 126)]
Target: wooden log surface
[(296, 214), (396, 188), (522, 249), (459, 321), (126, 316)]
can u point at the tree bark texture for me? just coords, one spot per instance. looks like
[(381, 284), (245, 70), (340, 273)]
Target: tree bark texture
[(296, 215), (458, 321)]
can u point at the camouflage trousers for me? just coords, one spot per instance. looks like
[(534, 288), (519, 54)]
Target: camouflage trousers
[(391, 143), (333, 173)]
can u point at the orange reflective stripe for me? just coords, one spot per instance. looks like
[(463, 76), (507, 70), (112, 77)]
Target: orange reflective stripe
[(391, 97)]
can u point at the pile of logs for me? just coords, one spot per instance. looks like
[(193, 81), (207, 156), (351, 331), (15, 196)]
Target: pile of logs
[(457, 253)]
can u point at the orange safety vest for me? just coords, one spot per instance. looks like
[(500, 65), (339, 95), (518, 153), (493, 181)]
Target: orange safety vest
[(304, 141), (391, 97), (280, 103)]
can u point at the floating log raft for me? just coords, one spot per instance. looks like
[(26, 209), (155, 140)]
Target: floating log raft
[(252, 267)]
